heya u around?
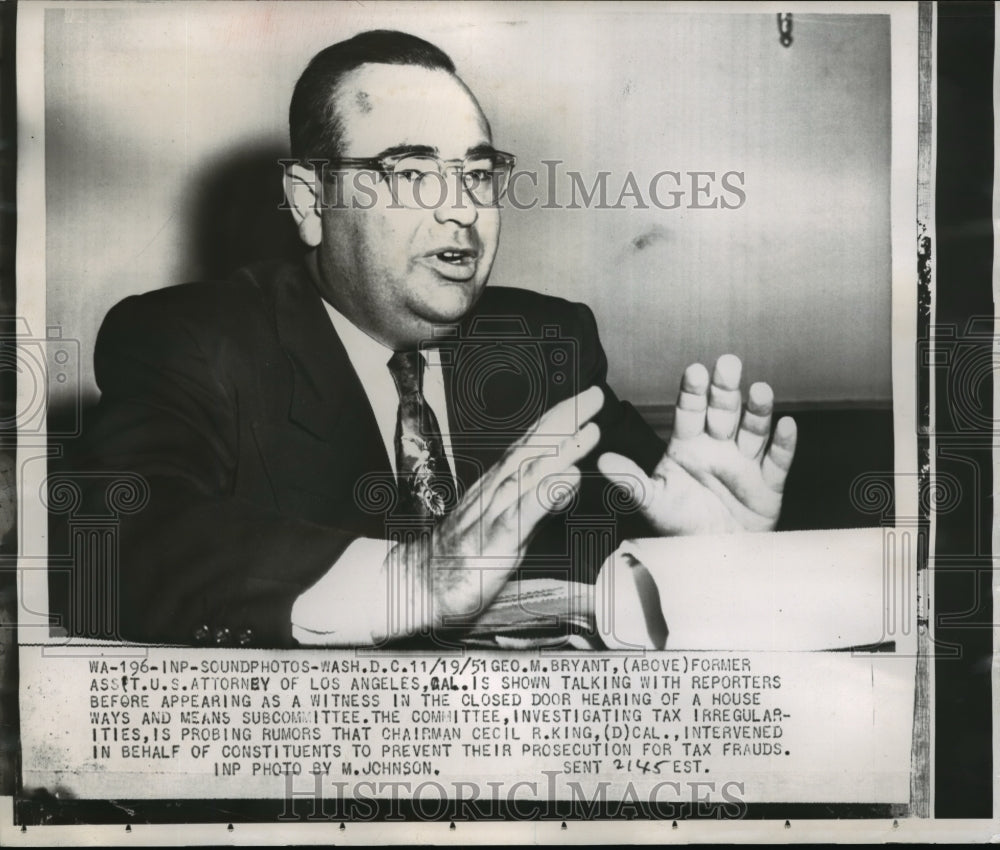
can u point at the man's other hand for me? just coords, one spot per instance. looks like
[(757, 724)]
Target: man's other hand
[(457, 570), (722, 471)]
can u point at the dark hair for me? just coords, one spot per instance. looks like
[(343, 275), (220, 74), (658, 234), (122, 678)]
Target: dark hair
[(314, 125)]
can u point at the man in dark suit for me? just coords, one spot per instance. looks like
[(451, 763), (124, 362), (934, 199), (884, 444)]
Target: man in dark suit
[(364, 446)]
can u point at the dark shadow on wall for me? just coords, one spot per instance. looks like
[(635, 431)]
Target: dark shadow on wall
[(233, 213), (232, 219)]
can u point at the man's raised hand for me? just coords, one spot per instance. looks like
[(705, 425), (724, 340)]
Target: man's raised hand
[(457, 570), (722, 471)]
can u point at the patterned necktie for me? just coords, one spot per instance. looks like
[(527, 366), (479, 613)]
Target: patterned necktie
[(426, 487)]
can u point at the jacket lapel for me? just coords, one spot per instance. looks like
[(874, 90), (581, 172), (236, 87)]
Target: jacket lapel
[(327, 398), (488, 394), (473, 453)]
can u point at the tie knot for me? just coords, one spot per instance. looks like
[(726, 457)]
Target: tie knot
[(406, 371)]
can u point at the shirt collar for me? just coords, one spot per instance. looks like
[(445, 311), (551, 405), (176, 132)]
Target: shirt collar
[(368, 356), (366, 353)]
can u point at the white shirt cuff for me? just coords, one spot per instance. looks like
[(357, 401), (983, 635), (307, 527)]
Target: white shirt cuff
[(347, 606)]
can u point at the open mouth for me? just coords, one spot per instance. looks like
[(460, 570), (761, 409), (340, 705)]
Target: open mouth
[(455, 258), (454, 264)]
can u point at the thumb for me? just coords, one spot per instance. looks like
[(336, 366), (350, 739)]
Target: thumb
[(625, 473)]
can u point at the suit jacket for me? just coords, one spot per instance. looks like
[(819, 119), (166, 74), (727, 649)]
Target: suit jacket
[(234, 403)]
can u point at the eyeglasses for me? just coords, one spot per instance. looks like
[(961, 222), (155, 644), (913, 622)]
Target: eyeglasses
[(417, 180)]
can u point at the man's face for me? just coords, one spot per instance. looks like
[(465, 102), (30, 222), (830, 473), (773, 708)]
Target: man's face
[(396, 272)]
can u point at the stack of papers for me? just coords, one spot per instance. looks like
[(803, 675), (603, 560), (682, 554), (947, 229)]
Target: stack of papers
[(538, 612)]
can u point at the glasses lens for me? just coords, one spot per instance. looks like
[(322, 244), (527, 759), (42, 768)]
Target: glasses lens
[(418, 181), (484, 179), (409, 178)]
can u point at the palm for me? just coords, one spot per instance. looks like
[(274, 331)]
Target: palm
[(720, 473), (705, 486)]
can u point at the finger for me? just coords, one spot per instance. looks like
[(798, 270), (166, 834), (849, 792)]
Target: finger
[(564, 418), (692, 401), (551, 493), (755, 427), (627, 475), (724, 398), (524, 479), (569, 452), (778, 460), (563, 422)]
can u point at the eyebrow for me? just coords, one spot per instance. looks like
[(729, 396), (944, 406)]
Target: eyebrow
[(417, 149), (477, 150), (481, 150)]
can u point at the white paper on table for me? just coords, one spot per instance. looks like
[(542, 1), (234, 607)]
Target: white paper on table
[(801, 590)]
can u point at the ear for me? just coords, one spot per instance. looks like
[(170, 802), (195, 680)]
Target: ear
[(304, 200)]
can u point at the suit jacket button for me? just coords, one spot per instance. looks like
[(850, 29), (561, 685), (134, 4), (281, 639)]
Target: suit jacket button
[(245, 637), (222, 635), (201, 634)]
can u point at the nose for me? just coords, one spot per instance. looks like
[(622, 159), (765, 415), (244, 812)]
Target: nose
[(456, 202)]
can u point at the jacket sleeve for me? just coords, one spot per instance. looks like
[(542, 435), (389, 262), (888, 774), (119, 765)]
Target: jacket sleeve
[(598, 503), (195, 563), (623, 430)]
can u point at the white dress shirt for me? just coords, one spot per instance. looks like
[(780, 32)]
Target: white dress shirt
[(348, 605)]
